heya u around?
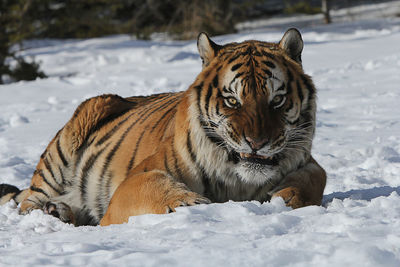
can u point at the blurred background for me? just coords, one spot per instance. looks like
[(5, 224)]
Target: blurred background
[(22, 20)]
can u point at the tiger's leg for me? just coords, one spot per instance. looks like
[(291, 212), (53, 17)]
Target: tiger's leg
[(41, 195), (303, 187), (153, 192)]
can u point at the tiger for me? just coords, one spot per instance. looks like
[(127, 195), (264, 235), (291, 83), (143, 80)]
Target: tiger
[(242, 131)]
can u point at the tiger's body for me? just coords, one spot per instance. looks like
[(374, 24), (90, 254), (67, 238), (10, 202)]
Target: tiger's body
[(242, 131)]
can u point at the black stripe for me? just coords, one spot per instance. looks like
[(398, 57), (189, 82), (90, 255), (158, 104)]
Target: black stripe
[(105, 121), (257, 53), (299, 92), (108, 186), (267, 54), (100, 204), (132, 160), (198, 90), (234, 58), (81, 151), (163, 105), (290, 76), (289, 87), (85, 172), (190, 148), (236, 66), (270, 64), (61, 175), (217, 109), (111, 154), (166, 165), (141, 99), (108, 160), (178, 171), (248, 63), (207, 100), (281, 88), (213, 138), (236, 76), (267, 72), (39, 190), (309, 87), (60, 153), (213, 124), (215, 81), (162, 117), (227, 90), (256, 64), (49, 169), (110, 133), (204, 177), (199, 87), (142, 110), (249, 51), (41, 174)]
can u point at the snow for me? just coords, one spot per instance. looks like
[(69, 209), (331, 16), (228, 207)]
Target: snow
[(356, 68)]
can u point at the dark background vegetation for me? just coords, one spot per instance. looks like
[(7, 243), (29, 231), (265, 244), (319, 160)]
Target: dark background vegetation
[(181, 19)]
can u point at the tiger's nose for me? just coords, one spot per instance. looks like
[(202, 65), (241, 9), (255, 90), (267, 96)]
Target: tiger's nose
[(256, 144)]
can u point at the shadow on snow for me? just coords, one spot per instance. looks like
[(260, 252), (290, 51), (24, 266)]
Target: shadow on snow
[(361, 194)]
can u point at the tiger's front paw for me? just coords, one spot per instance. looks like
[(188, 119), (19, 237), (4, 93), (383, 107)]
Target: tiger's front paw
[(292, 197), (59, 210), (184, 199)]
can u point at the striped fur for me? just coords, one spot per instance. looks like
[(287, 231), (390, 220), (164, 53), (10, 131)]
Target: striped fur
[(242, 131)]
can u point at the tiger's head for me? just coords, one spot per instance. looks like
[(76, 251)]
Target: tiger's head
[(256, 103)]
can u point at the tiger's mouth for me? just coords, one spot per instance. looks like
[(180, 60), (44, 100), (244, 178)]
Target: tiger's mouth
[(253, 158)]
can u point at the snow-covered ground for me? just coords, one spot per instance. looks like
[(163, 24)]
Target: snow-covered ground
[(356, 67)]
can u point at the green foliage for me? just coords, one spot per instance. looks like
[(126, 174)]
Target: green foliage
[(212, 16), (181, 19), (74, 18), (15, 28), (26, 71), (303, 7)]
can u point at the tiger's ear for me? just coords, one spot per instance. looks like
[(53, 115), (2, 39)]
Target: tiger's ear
[(292, 44), (207, 48)]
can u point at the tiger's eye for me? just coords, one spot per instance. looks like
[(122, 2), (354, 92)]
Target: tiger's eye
[(232, 101), (277, 99)]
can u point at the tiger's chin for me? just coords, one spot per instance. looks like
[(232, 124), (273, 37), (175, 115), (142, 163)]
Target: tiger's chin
[(258, 174), (256, 169)]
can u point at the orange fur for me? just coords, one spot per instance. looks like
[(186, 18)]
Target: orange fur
[(119, 157), (304, 187)]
